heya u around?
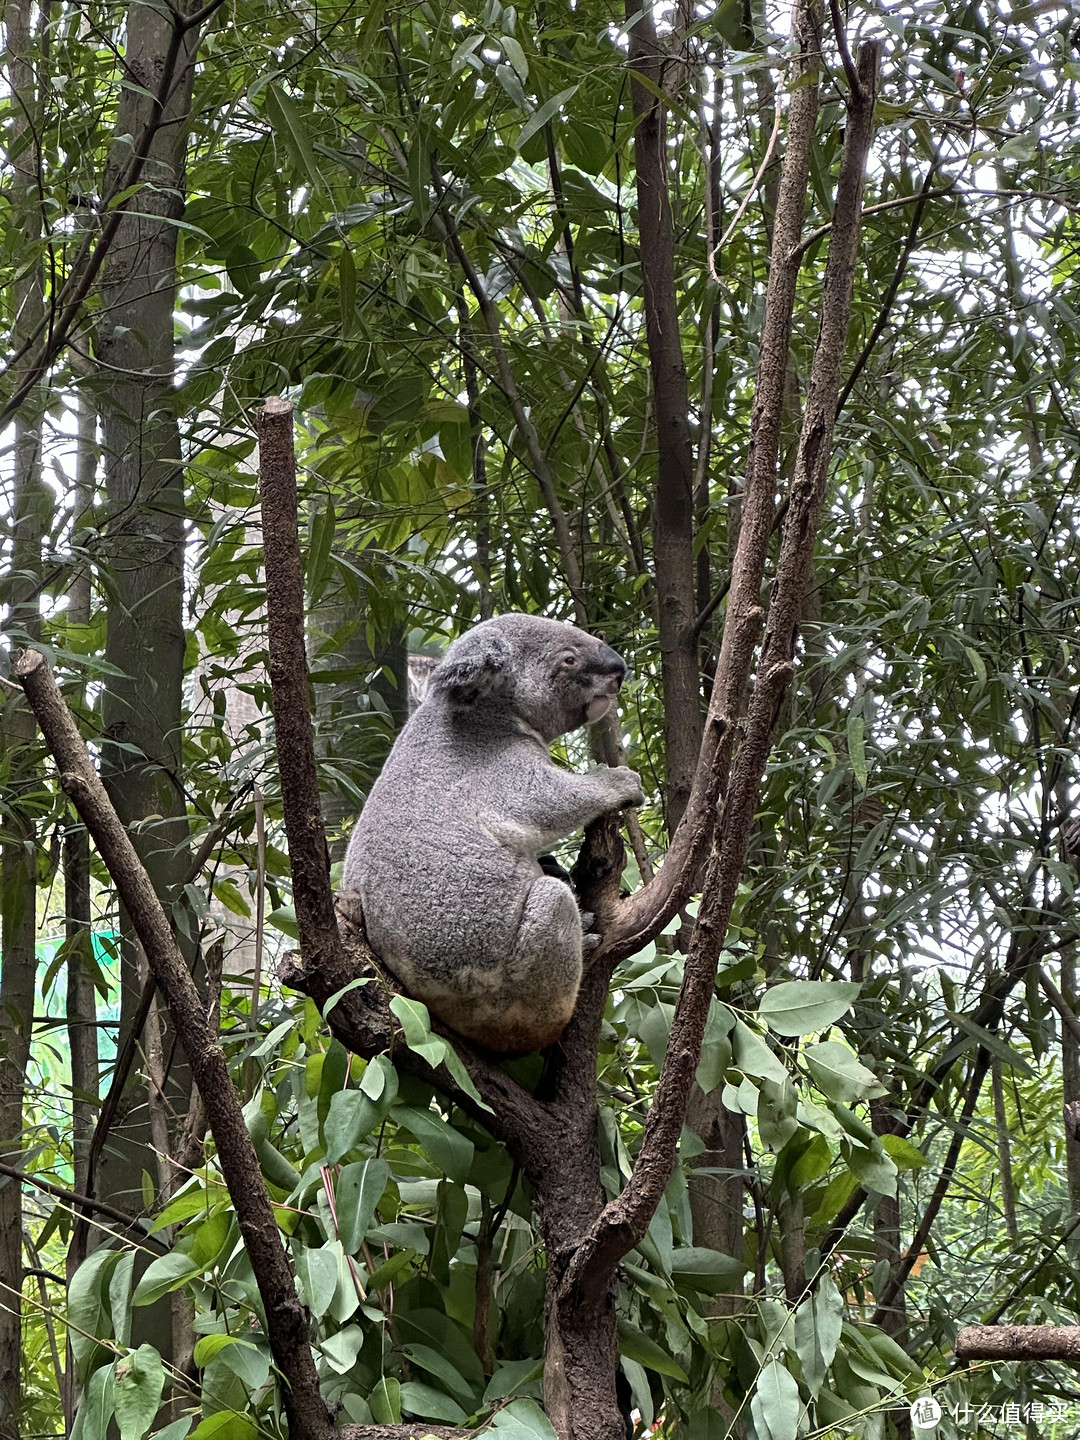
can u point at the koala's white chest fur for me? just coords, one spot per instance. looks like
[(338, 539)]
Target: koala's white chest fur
[(444, 855)]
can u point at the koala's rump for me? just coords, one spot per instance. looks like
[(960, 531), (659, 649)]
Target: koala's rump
[(445, 863)]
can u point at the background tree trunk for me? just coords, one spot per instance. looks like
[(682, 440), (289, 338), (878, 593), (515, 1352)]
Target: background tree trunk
[(144, 535), (21, 757)]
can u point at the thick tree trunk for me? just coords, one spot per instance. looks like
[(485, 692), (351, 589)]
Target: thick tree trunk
[(581, 1343), (144, 532), (673, 509), (143, 472)]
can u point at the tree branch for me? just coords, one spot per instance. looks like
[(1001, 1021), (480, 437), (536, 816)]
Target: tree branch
[(360, 1018), (625, 1219), (642, 917), (87, 264), (84, 1202), (900, 1274), (1019, 1342), (286, 1325)]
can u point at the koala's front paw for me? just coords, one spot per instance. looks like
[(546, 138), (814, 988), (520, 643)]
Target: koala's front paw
[(625, 785)]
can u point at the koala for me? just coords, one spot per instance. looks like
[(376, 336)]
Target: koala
[(446, 856)]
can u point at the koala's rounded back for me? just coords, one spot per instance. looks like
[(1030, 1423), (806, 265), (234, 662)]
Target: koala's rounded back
[(445, 856)]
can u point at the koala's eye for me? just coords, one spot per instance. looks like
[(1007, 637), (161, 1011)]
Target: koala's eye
[(570, 660)]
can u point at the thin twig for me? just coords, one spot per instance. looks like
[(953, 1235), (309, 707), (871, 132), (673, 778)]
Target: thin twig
[(84, 1202), (751, 192)]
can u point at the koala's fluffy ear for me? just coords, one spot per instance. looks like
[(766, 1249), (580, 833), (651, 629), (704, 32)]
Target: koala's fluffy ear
[(478, 664)]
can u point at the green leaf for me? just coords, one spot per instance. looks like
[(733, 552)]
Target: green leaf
[(90, 1310), (710, 1272), (416, 1027), (317, 564), (140, 1379), (516, 55), (285, 118), (639, 1347), (448, 1148), (875, 1172), (903, 1154), (508, 79), (358, 1190), (437, 1364), (120, 1297), (347, 282), (801, 1007), (837, 1073), (856, 743), (991, 1042), (429, 1403), (163, 1275), (284, 919), (208, 1346), (227, 892), (715, 1047), (352, 1114), (512, 1375), (385, 1401), (523, 1420), (176, 1431), (225, 1425), (357, 984), (818, 1323), (776, 1109), (96, 1410), (382, 1275), (753, 1056), (539, 118), (342, 1348), (776, 1406)]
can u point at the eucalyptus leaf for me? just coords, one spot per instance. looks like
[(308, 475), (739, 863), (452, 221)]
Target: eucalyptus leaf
[(801, 1007)]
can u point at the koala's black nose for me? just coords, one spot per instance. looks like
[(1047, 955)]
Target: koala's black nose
[(612, 663)]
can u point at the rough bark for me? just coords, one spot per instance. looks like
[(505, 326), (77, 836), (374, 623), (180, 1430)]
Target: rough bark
[(673, 505), (625, 1219), (1018, 1342), (645, 914)]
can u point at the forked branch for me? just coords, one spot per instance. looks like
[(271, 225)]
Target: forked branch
[(626, 1218)]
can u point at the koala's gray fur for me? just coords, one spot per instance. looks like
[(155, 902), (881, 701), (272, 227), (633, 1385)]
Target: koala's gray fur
[(445, 856)]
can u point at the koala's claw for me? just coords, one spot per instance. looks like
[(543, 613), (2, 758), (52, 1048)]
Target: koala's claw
[(590, 940), (349, 910)]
